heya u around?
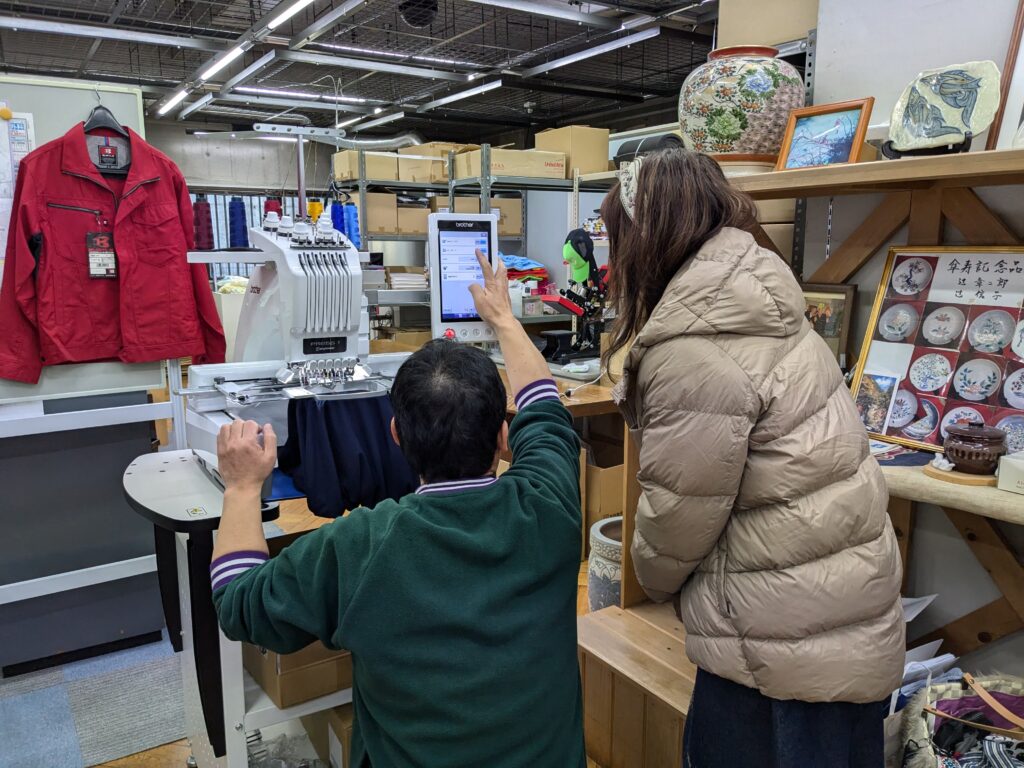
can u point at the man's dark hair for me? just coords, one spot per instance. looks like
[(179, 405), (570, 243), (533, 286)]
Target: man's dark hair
[(449, 404)]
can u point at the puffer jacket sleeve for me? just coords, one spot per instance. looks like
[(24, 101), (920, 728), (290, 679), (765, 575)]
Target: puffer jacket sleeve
[(696, 408)]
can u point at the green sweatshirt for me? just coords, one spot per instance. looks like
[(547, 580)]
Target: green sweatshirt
[(458, 604)]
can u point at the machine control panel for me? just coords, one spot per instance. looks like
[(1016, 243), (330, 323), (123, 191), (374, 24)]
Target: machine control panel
[(452, 243)]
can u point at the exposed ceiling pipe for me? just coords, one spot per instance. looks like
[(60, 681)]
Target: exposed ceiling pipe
[(408, 139), (324, 23), (107, 33)]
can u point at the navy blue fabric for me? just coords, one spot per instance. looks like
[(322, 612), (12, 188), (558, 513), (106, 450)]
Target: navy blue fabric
[(341, 455), (730, 725)]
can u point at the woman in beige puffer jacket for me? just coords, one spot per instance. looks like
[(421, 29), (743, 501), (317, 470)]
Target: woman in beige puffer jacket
[(762, 513)]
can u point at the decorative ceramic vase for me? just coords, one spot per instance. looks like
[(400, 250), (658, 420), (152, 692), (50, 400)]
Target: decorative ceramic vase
[(974, 448), (604, 571), (738, 102)]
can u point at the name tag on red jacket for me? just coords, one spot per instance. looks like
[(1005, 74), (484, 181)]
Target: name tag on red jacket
[(102, 258)]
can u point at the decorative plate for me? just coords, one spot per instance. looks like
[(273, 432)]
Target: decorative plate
[(977, 379), (1013, 389), (991, 331), (898, 322), (904, 408), (926, 425), (1018, 340), (1013, 426), (961, 413), (943, 325), (911, 276), (930, 372)]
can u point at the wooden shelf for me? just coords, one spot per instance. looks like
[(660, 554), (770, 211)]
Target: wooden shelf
[(974, 169)]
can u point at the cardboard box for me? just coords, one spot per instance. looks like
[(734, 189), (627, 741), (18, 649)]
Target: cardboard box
[(532, 163), (412, 221), (413, 338), (1011, 473), (605, 484), (290, 679), (380, 166), (510, 215), (381, 215), (585, 148), (331, 730), (426, 162), (439, 204)]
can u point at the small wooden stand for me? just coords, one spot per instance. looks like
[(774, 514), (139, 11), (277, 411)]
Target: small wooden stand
[(960, 478)]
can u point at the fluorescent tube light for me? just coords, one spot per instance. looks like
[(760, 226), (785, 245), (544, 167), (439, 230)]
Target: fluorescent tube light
[(597, 50), (380, 121), (218, 64), (460, 95), (552, 11), (299, 94), (397, 55), (347, 123), (195, 106), (174, 101), (290, 11)]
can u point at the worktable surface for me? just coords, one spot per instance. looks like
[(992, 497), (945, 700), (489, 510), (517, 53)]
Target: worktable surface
[(913, 484), (590, 400)]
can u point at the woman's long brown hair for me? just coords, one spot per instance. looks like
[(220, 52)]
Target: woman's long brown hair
[(683, 199)]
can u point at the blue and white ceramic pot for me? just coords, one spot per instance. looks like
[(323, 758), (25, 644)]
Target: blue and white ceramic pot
[(604, 571)]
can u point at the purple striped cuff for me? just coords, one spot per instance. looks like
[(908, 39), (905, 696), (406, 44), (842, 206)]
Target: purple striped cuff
[(229, 567), (543, 389)]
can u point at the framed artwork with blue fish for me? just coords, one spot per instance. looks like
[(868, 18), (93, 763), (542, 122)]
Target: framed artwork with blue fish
[(948, 323), (825, 134)]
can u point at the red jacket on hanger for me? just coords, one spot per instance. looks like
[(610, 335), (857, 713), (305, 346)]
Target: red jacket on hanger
[(55, 308)]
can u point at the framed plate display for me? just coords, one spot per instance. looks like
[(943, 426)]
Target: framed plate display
[(947, 322), (829, 310)]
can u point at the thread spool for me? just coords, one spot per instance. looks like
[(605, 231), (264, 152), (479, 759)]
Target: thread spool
[(272, 204), (203, 223), (338, 217), (314, 208), (238, 226)]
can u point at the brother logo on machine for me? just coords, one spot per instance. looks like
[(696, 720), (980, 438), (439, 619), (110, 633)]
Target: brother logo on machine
[(464, 224), (325, 346)]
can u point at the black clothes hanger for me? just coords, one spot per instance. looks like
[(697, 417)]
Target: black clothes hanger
[(101, 117)]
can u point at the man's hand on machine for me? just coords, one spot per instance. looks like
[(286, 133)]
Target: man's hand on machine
[(244, 459), (492, 300)]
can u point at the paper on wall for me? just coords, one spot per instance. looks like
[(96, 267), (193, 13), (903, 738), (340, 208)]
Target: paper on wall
[(17, 139)]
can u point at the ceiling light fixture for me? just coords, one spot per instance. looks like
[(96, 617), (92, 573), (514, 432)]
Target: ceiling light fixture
[(299, 94), (380, 121), (377, 110), (347, 123), (195, 106), (172, 102), (290, 11), (552, 11), (218, 64), (460, 95), (597, 50)]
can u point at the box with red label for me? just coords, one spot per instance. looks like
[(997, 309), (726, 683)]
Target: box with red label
[(531, 163)]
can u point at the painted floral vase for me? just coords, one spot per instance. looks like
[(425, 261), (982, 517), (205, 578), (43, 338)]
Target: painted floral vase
[(604, 569), (738, 102)]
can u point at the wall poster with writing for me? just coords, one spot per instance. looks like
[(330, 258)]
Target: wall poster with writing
[(947, 322)]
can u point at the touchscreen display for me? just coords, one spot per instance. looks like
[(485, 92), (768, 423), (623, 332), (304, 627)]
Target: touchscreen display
[(457, 244)]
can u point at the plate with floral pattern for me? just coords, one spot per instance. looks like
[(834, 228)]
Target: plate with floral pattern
[(961, 413), (898, 322), (943, 325), (930, 372), (911, 276), (977, 379), (1013, 388), (1017, 345), (991, 331), (904, 408), (924, 426), (1013, 426)]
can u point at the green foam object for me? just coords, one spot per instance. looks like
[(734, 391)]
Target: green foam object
[(578, 265)]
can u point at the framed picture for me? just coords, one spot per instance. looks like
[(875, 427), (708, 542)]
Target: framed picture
[(947, 322), (829, 309), (827, 134)]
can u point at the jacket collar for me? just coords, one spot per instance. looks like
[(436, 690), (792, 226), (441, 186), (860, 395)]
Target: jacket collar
[(75, 158)]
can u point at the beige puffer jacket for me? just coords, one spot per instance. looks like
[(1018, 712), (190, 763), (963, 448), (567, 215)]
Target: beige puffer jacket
[(760, 502)]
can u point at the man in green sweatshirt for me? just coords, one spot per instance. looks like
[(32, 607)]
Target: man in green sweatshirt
[(458, 602)]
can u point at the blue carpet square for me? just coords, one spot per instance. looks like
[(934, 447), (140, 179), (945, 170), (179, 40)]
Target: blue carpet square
[(37, 729), (114, 662)]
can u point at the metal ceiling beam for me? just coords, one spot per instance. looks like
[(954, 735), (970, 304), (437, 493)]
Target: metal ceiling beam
[(195, 106), (98, 32), (464, 119), (588, 53), (612, 94), (562, 12), (324, 23), (247, 73), (115, 14), (372, 66), (273, 101)]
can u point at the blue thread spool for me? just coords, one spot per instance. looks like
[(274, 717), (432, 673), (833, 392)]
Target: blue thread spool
[(338, 217), (238, 226), (352, 224)]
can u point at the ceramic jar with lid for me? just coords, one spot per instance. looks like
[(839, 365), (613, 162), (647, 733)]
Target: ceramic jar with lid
[(604, 571), (738, 102), (974, 448)]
